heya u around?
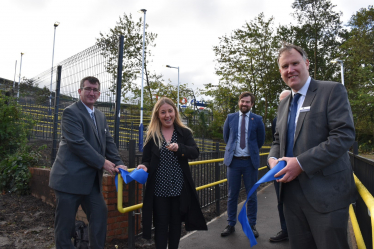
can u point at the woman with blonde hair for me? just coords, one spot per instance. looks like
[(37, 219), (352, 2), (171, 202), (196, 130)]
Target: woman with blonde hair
[(170, 194)]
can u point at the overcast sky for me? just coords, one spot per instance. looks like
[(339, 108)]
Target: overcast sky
[(187, 30)]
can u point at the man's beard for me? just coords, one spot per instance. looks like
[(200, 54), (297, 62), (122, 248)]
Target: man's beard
[(246, 109)]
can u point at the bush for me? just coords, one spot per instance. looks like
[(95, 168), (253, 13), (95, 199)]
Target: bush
[(14, 170), (15, 126), (15, 156)]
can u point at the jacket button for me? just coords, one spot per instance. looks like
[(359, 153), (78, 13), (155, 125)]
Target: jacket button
[(182, 154)]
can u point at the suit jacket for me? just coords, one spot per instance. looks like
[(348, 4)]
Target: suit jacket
[(190, 207), (323, 136), (256, 137), (82, 151)]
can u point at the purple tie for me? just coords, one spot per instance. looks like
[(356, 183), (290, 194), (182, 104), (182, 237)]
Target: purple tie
[(242, 132)]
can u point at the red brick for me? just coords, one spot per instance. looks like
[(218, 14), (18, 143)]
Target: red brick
[(111, 233), (112, 207), (119, 231), (121, 218), (113, 226), (111, 220)]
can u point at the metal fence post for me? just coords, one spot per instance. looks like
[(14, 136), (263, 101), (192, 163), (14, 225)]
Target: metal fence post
[(131, 219), (55, 117), (118, 93), (217, 178)]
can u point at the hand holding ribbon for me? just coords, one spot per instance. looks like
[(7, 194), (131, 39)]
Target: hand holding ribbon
[(269, 176), (138, 175)]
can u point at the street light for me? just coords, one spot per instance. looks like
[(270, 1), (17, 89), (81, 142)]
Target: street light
[(178, 85), (19, 79), (53, 53), (14, 80), (341, 68), (142, 96)]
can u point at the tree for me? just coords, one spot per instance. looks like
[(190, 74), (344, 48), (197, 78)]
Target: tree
[(246, 61), (132, 55), (357, 52), (318, 34)]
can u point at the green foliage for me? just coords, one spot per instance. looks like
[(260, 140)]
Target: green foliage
[(14, 171), (132, 55), (246, 61), (15, 156), (15, 126), (318, 34), (357, 53)]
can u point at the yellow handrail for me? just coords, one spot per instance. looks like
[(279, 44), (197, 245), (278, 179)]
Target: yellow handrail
[(369, 201), (121, 209), (356, 229)]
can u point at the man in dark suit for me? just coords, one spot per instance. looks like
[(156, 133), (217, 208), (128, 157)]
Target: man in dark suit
[(86, 149), (313, 134), (282, 234), (244, 134)]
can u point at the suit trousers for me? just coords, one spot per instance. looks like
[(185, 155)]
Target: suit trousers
[(167, 221), (235, 171), (96, 210), (309, 229), (280, 208)]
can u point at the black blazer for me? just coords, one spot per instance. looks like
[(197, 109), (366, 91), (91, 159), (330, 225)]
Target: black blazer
[(190, 207), (82, 151)]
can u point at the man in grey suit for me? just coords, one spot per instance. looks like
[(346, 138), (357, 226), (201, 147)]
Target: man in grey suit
[(86, 149), (313, 134), (244, 134)]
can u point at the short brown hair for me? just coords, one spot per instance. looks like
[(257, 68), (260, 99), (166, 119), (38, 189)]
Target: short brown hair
[(288, 47), (246, 94), (91, 79)]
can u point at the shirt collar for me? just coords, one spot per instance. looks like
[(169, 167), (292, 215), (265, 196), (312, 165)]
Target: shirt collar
[(304, 89), (247, 114), (89, 109)]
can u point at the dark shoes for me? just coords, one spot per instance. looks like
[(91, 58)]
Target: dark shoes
[(227, 231), (254, 230), (279, 237)]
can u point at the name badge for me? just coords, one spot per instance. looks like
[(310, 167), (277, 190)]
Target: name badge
[(305, 109)]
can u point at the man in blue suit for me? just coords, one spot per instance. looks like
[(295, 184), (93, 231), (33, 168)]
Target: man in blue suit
[(244, 134)]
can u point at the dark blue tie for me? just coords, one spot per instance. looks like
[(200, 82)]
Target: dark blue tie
[(291, 126)]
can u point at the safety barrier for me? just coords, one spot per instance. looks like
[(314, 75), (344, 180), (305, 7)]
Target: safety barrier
[(369, 201), (121, 209)]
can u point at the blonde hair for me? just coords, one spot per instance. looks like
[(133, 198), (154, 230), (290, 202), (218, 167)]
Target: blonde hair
[(154, 127)]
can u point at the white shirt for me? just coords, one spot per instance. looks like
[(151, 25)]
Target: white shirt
[(300, 103), (239, 151)]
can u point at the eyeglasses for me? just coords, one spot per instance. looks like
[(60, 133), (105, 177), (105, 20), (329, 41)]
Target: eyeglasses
[(89, 89)]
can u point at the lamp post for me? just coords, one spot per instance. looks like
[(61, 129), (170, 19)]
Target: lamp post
[(19, 79), (142, 96), (178, 85), (14, 80), (53, 53), (341, 68)]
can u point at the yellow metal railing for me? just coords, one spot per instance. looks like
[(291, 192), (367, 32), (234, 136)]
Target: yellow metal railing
[(369, 201), (121, 209)]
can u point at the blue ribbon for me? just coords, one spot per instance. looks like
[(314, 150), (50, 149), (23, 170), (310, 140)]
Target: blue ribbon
[(269, 176), (138, 175)]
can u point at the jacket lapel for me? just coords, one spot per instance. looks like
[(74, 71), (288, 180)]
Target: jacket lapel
[(87, 116), (282, 123), (311, 93), (234, 125), (250, 123)]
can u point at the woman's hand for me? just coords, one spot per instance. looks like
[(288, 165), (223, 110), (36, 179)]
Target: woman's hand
[(141, 166), (173, 147)]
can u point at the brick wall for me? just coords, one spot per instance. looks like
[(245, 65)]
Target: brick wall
[(117, 224)]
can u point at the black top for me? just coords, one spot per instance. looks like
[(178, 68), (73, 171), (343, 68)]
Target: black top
[(169, 175)]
